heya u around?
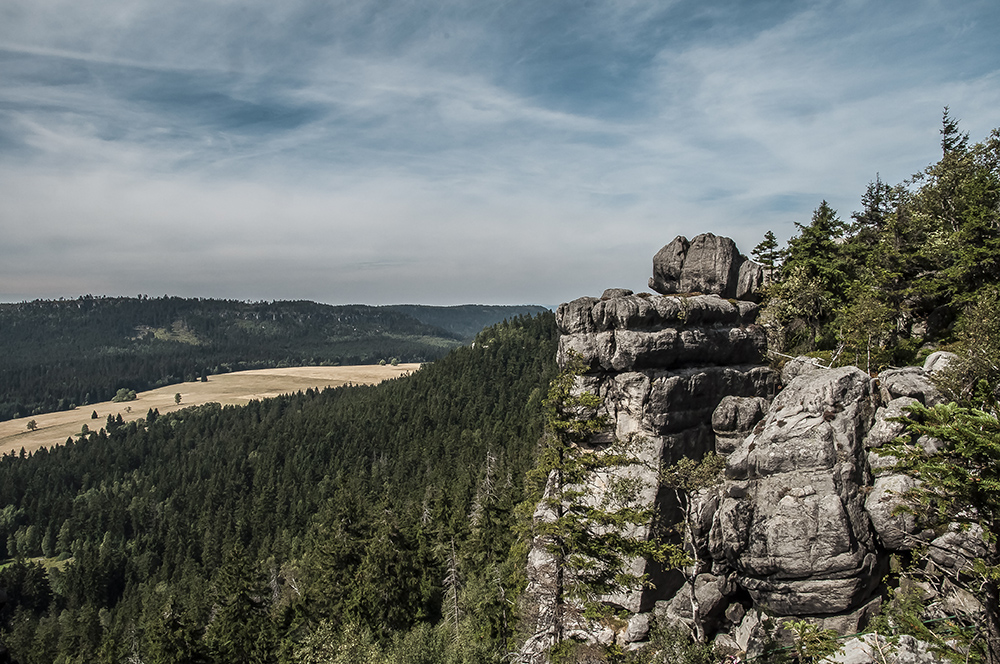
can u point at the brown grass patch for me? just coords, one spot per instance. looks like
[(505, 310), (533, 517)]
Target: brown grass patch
[(236, 388)]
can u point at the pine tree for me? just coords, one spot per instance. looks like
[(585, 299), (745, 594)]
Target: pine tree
[(959, 483), (767, 254), (591, 505)]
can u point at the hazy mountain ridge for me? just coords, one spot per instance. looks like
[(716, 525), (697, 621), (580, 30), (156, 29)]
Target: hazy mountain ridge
[(60, 353)]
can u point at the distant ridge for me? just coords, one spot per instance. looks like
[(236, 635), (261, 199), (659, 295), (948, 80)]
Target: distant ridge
[(64, 353), (465, 320)]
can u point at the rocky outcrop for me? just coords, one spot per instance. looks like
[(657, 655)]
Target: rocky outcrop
[(803, 523), (793, 524), (662, 365), (707, 264)]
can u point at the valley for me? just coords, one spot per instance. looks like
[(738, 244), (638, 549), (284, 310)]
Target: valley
[(237, 388)]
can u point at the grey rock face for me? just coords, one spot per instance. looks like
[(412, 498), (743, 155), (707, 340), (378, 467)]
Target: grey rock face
[(661, 365), (803, 519), (886, 427), (800, 365), (895, 530), (793, 523), (711, 592), (938, 361), (909, 382), (634, 333), (751, 281), (956, 549), (707, 264), (876, 649), (734, 418), (613, 293)]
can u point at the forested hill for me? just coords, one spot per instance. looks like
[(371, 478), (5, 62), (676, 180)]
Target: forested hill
[(57, 354), (465, 320), (290, 529)]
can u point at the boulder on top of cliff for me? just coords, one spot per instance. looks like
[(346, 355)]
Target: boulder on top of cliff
[(751, 281), (707, 264), (613, 293)]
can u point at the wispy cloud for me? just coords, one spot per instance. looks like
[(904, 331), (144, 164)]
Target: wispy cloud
[(450, 151)]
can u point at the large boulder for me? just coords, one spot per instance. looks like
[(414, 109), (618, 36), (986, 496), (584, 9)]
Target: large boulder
[(895, 529), (707, 264), (792, 523), (752, 279), (909, 382)]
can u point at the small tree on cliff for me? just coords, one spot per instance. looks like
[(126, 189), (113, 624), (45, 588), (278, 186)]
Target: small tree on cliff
[(960, 484), (687, 478), (593, 503)]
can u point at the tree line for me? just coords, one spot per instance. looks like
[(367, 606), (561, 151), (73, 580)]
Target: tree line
[(67, 353)]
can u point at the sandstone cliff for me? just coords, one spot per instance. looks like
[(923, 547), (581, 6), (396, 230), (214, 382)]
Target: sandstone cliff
[(803, 524)]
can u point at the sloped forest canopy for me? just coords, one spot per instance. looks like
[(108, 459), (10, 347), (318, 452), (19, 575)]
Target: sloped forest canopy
[(65, 353), (235, 533)]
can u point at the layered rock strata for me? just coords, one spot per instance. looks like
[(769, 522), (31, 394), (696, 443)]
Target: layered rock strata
[(661, 364), (803, 524)]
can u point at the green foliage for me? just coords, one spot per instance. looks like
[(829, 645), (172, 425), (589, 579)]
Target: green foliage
[(767, 253), (913, 259), (591, 510), (811, 644), (237, 533), (959, 481), (81, 351), (671, 643), (124, 394), (959, 484), (974, 378), (687, 478)]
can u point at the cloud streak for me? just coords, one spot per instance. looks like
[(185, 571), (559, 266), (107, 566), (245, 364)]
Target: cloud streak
[(453, 151)]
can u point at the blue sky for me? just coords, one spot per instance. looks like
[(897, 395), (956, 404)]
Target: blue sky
[(444, 152)]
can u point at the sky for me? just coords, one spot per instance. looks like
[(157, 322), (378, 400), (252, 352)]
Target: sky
[(452, 151)]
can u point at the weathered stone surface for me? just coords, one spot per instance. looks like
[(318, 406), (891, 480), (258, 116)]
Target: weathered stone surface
[(909, 382), (751, 281), (798, 366), (651, 313), (615, 293), (895, 530), (956, 549), (876, 649), (711, 592), (852, 622), (938, 361), (667, 265), (793, 523), (734, 418), (886, 428), (638, 628), (706, 264), (667, 348), (687, 398)]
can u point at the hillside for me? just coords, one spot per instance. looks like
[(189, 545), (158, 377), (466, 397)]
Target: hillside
[(234, 533), (62, 353)]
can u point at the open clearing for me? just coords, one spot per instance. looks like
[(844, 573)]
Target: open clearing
[(237, 388)]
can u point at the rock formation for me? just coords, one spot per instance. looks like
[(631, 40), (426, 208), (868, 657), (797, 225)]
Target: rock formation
[(804, 521), (706, 264)]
